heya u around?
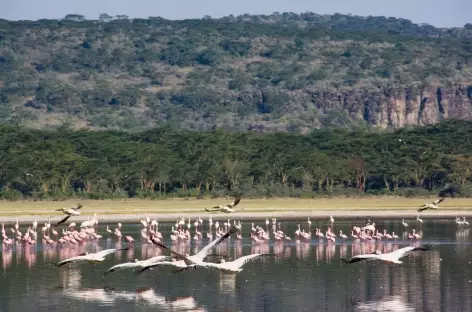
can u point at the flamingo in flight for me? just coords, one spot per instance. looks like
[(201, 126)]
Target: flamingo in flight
[(391, 257), (190, 260), (433, 205), (227, 208), (136, 263), (91, 257)]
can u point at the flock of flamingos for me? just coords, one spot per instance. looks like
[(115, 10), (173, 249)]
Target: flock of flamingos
[(73, 237)]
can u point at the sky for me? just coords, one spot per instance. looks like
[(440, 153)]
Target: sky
[(439, 13)]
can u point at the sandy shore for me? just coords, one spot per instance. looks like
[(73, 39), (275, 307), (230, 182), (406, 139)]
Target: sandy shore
[(286, 215), (131, 210)]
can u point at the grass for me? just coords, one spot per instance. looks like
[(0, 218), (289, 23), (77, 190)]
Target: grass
[(136, 206)]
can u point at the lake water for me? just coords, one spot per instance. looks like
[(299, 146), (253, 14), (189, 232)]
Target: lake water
[(302, 277)]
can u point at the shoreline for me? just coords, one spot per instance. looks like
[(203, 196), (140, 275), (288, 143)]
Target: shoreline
[(131, 210), (248, 216)]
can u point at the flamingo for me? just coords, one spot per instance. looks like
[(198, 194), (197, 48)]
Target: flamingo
[(227, 208), (433, 205), (191, 260), (129, 239), (415, 235), (92, 257), (418, 219), (136, 263), (228, 267), (404, 223), (354, 235), (388, 236), (391, 257)]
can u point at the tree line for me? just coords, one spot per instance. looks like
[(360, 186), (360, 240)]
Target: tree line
[(165, 162)]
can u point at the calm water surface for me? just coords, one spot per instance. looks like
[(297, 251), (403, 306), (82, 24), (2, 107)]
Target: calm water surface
[(302, 277)]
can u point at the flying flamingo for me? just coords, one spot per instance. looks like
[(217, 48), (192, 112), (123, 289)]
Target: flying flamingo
[(391, 257)]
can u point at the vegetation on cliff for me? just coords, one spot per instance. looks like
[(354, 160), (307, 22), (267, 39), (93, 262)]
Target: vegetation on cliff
[(281, 72), (165, 162)]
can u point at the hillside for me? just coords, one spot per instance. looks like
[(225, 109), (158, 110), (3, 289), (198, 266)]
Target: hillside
[(282, 72)]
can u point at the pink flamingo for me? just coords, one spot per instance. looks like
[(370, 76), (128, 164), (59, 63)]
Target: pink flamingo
[(343, 236), (298, 232), (354, 235), (416, 235), (329, 233), (129, 239), (388, 236)]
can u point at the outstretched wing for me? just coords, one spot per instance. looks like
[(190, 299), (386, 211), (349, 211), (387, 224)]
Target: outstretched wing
[(403, 252), (212, 209), (187, 268), (423, 208), (107, 252), (178, 254), (359, 258), (157, 259), (437, 201), (235, 202), (62, 221), (151, 266), (70, 260), (205, 250), (423, 247), (245, 259), (120, 266), (77, 207)]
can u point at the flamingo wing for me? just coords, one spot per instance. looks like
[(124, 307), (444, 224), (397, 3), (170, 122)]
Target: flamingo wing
[(358, 258), (423, 208), (437, 201), (107, 252), (78, 206), (120, 266), (204, 252), (178, 254), (235, 202), (151, 266), (62, 221), (403, 252), (70, 260), (245, 259), (187, 268), (212, 209), (158, 259)]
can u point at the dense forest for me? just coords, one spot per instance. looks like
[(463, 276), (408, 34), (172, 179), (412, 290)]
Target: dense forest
[(166, 162), (281, 72)]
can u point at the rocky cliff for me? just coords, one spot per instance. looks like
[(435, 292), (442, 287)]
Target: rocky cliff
[(396, 108)]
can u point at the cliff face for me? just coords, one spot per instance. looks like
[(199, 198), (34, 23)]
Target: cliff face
[(398, 108)]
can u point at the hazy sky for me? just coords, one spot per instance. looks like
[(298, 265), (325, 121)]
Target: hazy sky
[(440, 13)]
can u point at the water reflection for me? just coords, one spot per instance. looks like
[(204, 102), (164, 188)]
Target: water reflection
[(147, 296), (7, 258), (388, 303), (304, 275)]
